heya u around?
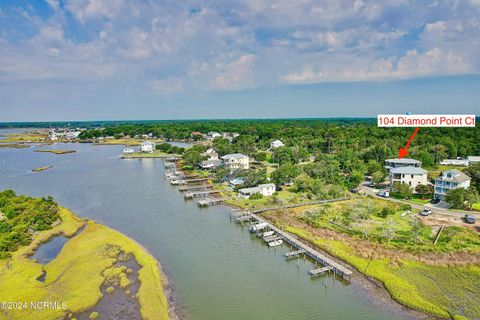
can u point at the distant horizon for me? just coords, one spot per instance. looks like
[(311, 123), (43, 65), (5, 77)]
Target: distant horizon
[(126, 121)]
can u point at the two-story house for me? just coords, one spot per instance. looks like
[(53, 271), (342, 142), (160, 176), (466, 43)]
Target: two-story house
[(413, 176), (448, 180), (236, 161)]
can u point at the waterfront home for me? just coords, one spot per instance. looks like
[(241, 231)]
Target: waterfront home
[(52, 135), (230, 135), (196, 135), (212, 135), (147, 146), (448, 180), (211, 154), (265, 190), (473, 160), (236, 161), (236, 182), (276, 144), (454, 162), (399, 163), (211, 164), (128, 150), (410, 175)]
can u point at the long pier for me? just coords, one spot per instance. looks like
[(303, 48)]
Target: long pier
[(301, 248), (191, 195), (202, 187)]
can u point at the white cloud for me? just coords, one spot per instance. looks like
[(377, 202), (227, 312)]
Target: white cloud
[(237, 44), (167, 86), (87, 9), (411, 64)]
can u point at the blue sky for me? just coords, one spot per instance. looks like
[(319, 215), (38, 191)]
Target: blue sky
[(129, 59)]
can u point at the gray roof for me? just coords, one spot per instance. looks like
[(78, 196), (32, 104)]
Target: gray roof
[(457, 176), (249, 190), (408, 170), (473, 158), (215, 162), (266, 185), (234, 156), (404, 160)]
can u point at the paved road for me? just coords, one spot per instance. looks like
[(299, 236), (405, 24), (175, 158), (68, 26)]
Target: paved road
[(452, 213)]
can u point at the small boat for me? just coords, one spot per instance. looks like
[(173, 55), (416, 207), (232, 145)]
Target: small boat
[(275, 243), (258, 226), (268, 234)]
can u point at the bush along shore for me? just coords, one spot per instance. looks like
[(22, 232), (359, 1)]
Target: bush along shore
[(95, 262)]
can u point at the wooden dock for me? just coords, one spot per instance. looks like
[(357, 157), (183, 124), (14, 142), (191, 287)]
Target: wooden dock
[(320, 271), (328, 263), (195, 180), (191, 195), (203, 187), (294, 254), (207, 202)]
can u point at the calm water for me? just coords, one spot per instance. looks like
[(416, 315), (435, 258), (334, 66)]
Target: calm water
[(49, 250), (218, 269)]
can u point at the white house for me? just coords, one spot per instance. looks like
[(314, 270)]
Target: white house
[(448, 180), (267, 189), (211, 154), (147, 146), (236, 161), (454, 162), (413, 176), (211, 164), (264, 189), (399, 163), (212, 135), (276, 144)]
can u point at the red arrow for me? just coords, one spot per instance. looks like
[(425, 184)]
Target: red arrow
[(402, 152)]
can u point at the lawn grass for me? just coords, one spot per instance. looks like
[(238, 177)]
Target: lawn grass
[(55, 151), (77, 273), (279, 198)]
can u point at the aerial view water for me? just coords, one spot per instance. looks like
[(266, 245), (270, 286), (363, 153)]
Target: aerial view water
[(216, 268)]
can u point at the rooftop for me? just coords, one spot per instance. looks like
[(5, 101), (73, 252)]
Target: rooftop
[(404, 160), (408, 170), (234, 156), (267, 185), (455, 176)]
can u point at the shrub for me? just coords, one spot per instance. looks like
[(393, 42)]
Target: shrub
[(256, 196)]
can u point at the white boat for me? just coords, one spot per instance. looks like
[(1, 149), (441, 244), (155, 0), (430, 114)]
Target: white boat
[(258, 226), (275, 243), (268, 234)]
